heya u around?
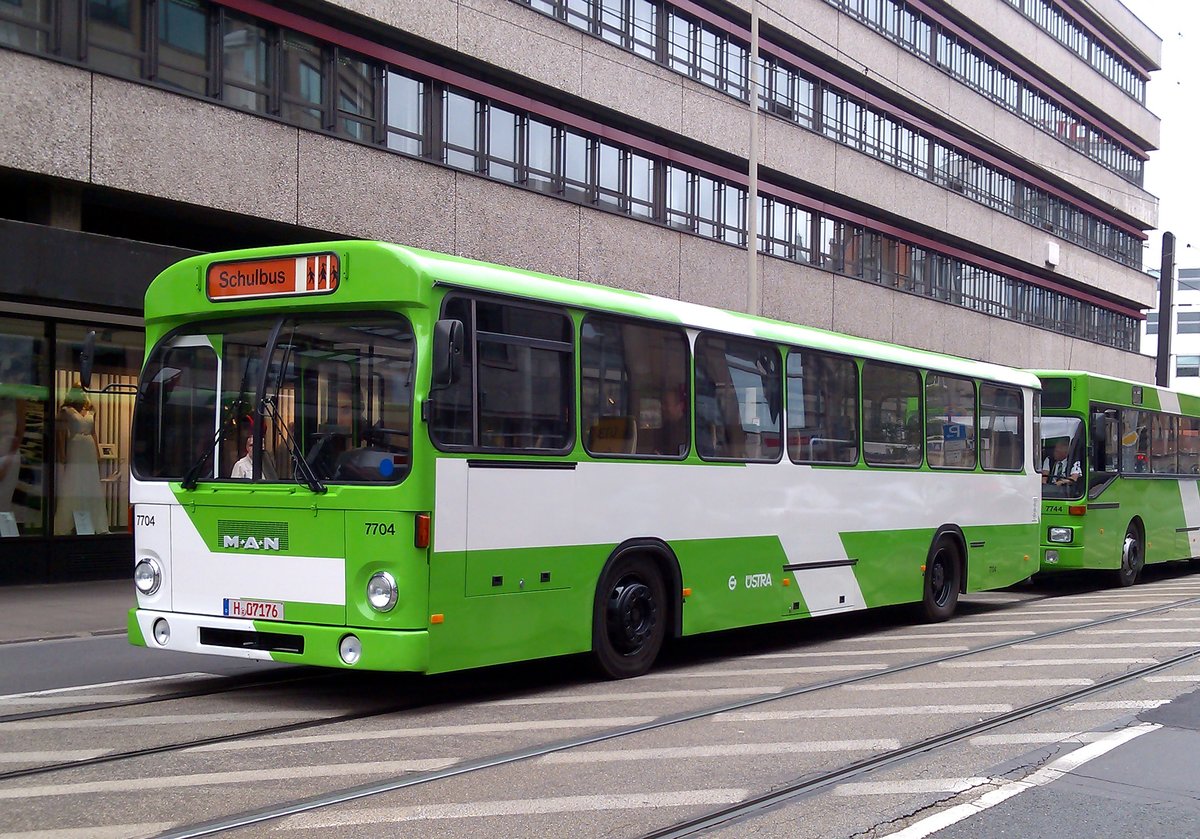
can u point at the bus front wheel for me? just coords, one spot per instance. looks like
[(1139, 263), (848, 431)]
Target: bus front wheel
[(1132, 558), (943, 579), (630, 620)]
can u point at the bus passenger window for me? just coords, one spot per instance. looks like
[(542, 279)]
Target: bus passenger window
[(891, 406), (634, 388), (1002, 428), (822, 408), (949, 422), (738, 399), (517, 387)]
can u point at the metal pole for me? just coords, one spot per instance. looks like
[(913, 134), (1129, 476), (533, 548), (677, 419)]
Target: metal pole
[(1166, 294), (752, 293)]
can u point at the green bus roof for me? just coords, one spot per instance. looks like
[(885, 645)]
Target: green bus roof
[(178, 294)]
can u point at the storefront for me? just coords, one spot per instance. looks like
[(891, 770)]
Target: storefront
[(64, 452)]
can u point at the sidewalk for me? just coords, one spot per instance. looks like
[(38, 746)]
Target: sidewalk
[(64, 610)]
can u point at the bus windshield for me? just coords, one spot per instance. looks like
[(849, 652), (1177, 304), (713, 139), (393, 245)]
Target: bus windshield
[(285, 400), (1062, 463)]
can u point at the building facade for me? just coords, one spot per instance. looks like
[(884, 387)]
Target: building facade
[(1184, 363), (958, 175)]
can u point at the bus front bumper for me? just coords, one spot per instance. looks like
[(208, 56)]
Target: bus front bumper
[(294, 643)]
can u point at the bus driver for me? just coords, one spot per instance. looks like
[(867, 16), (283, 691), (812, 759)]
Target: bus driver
[(1057, 470)]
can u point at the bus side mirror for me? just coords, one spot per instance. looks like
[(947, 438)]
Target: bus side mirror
[(447, 352), (86, 358)]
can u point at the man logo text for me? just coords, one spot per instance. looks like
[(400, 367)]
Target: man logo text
[(249, 543)]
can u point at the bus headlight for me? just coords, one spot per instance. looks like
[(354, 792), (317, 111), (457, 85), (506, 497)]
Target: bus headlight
[(147, 576), (1062, 535), (381, 591)]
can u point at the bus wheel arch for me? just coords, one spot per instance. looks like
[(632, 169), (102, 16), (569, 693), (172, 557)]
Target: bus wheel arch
[(1133, 553), (945, 573), (636, 607)]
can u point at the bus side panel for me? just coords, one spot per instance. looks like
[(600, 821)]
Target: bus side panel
[(1000, 555)]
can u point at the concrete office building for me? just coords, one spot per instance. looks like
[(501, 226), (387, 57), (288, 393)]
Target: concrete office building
[(959, 175)]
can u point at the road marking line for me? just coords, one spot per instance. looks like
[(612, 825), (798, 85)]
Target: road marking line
[(322, 820), (917, 785), (721, 750), (1176, 677), (122, 683), (840, 653), (1139, 645), (995, 683), (56, 757), (770, 671), (1047, 774), (111, 831), (163, 719), (991, 633), (639, 696), (428, 731), (823, 713), (1044, 662), (1035, 738), (245, 776), (1117, 705)]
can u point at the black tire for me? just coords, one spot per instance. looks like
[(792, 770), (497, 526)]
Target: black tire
[(1132, 558), (629, 623), (943, 579)]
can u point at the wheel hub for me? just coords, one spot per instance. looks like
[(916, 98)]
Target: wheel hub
[(632, 615)]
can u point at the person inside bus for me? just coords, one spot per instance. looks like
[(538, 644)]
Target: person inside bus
[(1058, 469), (243, 469)]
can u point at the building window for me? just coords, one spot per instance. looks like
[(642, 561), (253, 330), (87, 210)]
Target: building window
[(116, 36), (301, 80), (24, 425), (245, 51), (184, 57), (91, 432), (26, 24), (1187, 366)]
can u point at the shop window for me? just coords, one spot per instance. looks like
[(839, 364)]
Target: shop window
[(91, 432), (23, 427)]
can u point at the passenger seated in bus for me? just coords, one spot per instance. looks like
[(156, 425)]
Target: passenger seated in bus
[(1057, 469), (243, 469)]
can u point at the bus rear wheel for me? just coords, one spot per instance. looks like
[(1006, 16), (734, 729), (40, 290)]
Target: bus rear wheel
[(630, 620), (1132, 558), (943, 579)]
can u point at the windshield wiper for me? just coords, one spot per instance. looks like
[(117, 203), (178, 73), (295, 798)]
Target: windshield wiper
[(193, 475), (269, 407)]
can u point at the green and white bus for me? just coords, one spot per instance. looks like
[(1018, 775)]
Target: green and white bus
[(1128, 492), (450, 464)]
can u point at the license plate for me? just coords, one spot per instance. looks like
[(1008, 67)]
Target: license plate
[(256, 609)]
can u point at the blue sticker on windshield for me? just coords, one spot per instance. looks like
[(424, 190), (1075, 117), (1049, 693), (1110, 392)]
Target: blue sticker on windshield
[(386, 467)]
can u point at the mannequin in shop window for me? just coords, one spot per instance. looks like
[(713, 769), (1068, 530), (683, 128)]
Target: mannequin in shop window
[(80, 507)]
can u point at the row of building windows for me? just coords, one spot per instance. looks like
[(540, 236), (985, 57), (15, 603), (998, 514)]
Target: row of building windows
[(713, 58), (1063, 28), (274, 70), (1189, 322), (637, 397), (930, 41), (812, 104)]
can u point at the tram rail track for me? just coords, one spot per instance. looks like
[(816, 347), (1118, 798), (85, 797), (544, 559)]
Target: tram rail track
[(755, 804)]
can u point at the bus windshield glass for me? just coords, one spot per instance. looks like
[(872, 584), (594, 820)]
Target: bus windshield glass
[(304, 400), (1062, 460)]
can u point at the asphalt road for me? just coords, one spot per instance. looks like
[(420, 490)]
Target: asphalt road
[(1041, 710)]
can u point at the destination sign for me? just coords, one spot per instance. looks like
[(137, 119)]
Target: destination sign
[(275, 277)]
